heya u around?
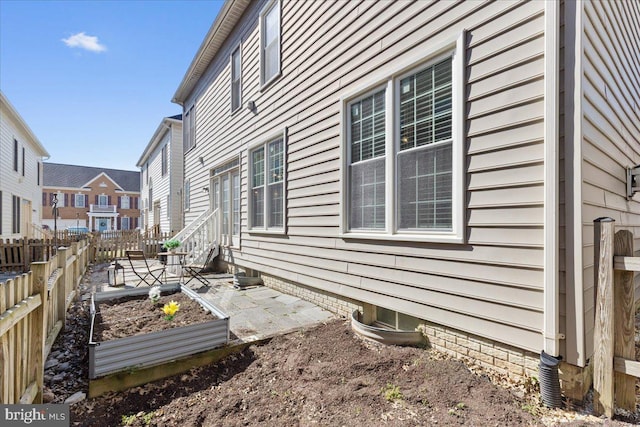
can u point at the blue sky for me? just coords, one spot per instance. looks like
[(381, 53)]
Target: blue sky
[(93, 79)]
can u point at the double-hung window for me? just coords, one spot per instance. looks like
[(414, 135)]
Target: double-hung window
[(15, 155), (125, 202), (164, 160), (270, 42), (79, 200), (189, 124), (403, 151), (61, 199), (187, 195), (367, 136), (236, 80), (266, 186), (16, 215)]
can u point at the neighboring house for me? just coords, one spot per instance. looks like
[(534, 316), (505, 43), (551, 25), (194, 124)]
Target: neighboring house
[(161, 173), (97, 198), (426, 162), (21, 156)]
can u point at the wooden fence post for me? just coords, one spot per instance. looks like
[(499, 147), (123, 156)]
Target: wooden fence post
[(39, 275), (62, 290), (603, 328), (625, 385), (76, 265)]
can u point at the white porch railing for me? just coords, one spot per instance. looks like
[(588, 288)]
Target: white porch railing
[(37, 232), (197, 238)]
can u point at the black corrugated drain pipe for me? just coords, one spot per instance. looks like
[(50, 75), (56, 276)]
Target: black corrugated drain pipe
[(550, 380)]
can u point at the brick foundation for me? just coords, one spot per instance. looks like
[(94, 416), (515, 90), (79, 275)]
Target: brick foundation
[(514, 362)]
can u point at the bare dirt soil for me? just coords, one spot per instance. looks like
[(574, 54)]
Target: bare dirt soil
[(137, 315), (319, 376)]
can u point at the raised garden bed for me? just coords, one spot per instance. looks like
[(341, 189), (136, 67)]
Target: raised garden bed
[(175, 340)]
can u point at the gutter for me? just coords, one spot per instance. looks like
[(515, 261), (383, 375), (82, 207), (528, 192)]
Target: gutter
[(227, 18)]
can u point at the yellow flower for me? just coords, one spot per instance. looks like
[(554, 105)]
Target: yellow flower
[(171, 309)]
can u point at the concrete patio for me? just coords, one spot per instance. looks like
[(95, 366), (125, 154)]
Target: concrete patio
[(255, 312)]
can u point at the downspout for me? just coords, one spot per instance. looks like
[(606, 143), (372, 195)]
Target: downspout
[(552, 335), (549, 357)]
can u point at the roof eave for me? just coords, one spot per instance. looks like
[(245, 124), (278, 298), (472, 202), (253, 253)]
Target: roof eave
[(18, 118), (162, 128), (226, 20)]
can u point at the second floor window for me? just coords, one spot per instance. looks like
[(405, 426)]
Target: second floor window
[(270, 42), (165, 160), (125, 202), (236, 80), (189, 124), (15, 155), (103, 200), (60, 196), (79, 200)]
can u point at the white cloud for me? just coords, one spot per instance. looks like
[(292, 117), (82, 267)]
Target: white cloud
[(84, 41)]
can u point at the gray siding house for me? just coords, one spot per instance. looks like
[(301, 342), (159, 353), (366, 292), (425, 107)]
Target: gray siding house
[(435, 163)]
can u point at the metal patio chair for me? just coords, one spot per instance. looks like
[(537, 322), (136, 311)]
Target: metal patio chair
[(196, 270), (149, 274)]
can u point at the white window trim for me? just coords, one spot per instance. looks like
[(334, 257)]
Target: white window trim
[(239, 50), (122, 199), (454, 47), (186, 200), (275, 3), (60, 197), (188, 117), (75, 201), (263, 143)]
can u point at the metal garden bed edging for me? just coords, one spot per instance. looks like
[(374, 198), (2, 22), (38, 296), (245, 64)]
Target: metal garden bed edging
[(154, 348)]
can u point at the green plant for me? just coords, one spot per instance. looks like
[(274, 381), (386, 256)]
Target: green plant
[(459, 407), (147, 418), (127, 420), (392, 392), (171, 244)]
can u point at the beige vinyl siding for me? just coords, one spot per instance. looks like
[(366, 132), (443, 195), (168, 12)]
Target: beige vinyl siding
[(610, 128), (490, 286)]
